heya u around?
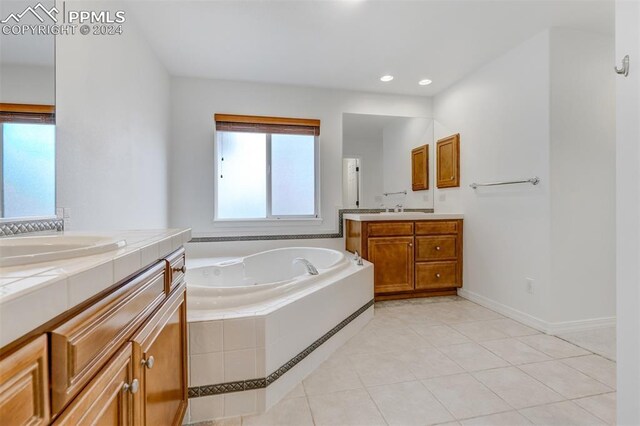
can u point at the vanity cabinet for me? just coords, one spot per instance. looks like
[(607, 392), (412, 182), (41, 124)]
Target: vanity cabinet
[(119, 359), (24, 385), (420, 168), (448, 161), (410, 258)]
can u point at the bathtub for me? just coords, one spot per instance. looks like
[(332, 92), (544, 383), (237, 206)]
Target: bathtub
[(247, 284), (260, 324)]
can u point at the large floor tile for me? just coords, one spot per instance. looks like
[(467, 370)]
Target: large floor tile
[(510, 327), (464, 396), (514, 351), (335, 374), (510, 418), (291, 411), (440, 335), (552, 346), (564, 379), (473, 357), (601, 406), (408, 403), (380, 369), (517, 388), (354, 407), (595, 366), (478, 331), (601, 341), (429, 362), (561, 414)]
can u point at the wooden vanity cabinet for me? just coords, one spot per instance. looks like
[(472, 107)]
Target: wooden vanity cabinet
[(24, 385), (120, 359), (420, 168), (160, 360), (411, 259)]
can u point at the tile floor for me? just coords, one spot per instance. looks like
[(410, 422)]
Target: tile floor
[(452, 362)]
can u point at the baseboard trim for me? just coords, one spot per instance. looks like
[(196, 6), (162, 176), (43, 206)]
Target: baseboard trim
[(553, 328)]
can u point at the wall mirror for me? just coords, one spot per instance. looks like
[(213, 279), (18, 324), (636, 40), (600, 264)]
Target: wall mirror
[(376, 151), (27, 118)]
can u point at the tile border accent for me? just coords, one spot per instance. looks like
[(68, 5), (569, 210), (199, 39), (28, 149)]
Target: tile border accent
[(242, 385), (339, 234), (17, 227)]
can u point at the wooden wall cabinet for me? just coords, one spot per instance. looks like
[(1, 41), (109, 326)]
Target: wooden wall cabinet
[(420, 168), (448, 162), (411, 259), (120, 360)]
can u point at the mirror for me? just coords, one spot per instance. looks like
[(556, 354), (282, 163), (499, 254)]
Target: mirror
[(27, 128), (376, 151)]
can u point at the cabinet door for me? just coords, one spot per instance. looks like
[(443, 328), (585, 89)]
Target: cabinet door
[(392, 258), (160, 357), (107, 399), (420, 168), (24, 385), (448, 159)]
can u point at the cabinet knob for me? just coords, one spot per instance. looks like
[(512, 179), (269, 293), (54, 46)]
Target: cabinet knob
[(410, 244), (437, 275), (149, 362), (182, 269), (131, 387), (438, 248)]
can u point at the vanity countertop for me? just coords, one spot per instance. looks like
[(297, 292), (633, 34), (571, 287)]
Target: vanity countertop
[(31, 295), (372, 217)]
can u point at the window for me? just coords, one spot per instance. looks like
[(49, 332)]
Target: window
[(266, 167), (27, 161)]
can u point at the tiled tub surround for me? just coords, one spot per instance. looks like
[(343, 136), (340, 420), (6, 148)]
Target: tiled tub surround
[(31, 295), (10, 228), (286, 336)]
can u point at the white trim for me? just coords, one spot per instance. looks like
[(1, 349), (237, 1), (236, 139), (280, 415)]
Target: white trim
[(553, 328)]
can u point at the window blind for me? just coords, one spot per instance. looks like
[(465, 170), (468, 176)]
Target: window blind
[(261, 124), (27, 113)]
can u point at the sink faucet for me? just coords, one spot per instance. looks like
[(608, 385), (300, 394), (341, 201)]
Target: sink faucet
[(310, 268), (398, 208)]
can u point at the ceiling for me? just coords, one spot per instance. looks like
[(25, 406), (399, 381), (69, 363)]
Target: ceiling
[(350, 44)]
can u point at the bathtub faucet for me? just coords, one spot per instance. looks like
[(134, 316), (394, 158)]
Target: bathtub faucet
[(310, 268)]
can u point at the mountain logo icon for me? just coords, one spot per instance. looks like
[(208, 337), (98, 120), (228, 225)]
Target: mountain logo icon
[(39, 11)]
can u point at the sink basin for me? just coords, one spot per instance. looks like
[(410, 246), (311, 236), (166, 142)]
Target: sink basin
[(27, 250)]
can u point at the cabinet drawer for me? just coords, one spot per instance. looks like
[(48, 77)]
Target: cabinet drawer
[(437, 275), (82, 345), (24, 385), (437, 227), (177, 269), (381, 229), (105, 401), (437, 248)]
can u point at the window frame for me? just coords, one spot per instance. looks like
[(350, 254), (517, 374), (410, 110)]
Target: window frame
[(269, 216)]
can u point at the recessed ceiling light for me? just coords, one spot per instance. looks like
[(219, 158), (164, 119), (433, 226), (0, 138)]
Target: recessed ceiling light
[(386, 78), (425, 82)]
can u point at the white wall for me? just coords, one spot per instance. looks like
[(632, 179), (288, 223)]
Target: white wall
[(582, 176), (27, 84), (502, 115), (194, 101), (628, 213), (549, 117), (399, 138), (112, 109)]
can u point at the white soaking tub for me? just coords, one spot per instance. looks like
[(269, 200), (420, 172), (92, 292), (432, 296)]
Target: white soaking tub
[(259, 324)]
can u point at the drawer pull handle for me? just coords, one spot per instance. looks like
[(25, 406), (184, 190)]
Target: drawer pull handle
[(410, 244), (437, 248), (133, 387), (182, 269), (149, 362), (437, 275)]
